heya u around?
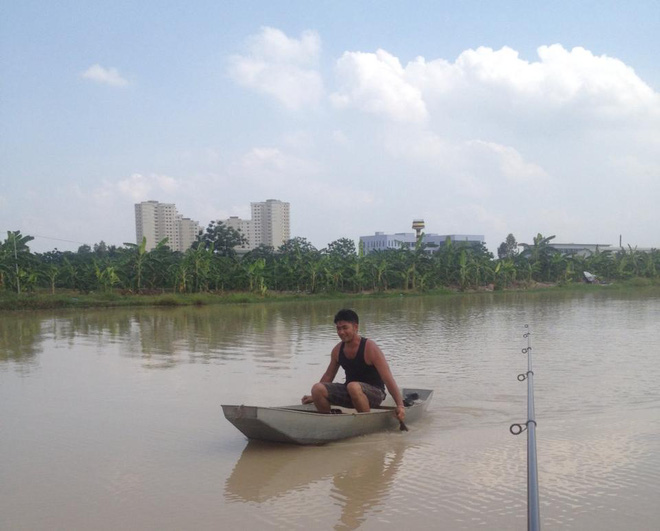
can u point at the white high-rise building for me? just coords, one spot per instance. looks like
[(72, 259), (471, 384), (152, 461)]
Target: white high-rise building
[(270, 223), (156, 221), (246, 228), (188, 231)]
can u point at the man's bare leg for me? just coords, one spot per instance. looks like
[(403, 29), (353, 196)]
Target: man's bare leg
[(320, 397), (359, 399)]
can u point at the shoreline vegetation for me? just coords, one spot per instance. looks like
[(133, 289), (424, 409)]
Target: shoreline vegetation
[(212, 272), (72, 300)]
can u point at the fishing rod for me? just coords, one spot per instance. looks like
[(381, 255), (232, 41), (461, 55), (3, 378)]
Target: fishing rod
[(533, 518)]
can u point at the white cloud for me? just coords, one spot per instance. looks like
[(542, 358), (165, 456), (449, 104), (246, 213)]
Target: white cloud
[(509, 162), (274, 46), (468, 167), (579, 73), (282, 67), (106, 76), (494, 85), (378, 84), (139, 187), (563, 85)]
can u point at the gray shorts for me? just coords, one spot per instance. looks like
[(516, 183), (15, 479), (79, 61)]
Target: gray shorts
[(338, 394)]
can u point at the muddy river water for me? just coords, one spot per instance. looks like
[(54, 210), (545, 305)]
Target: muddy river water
[(111, 419)]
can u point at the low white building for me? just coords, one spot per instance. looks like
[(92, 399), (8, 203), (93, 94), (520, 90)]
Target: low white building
[(587, 249), (407, 240), (580, 249)]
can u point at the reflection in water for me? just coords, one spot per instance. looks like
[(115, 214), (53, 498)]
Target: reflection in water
[(366, 484), (361, 475), (272, 334), (20, 341), (165, 337)]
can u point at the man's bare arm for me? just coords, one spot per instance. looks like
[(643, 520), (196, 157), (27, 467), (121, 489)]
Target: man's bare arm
[(328, 375), (375, 357), (333, 367)]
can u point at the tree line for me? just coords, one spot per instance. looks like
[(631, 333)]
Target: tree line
[(213, 265)]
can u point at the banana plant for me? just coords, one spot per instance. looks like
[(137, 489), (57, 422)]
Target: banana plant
[(136, 259), (255, 272), (107, 277), (199, 260), (51, 273), (505, 272)]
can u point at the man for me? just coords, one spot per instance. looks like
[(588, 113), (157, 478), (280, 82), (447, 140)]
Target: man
[(367, 373)]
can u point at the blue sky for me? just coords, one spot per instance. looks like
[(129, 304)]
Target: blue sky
[(480, 117)]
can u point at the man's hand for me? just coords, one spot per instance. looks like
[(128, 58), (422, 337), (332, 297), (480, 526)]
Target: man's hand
[(307, 399), (400, 413)]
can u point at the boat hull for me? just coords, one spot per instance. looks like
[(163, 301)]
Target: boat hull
[(302, 424)]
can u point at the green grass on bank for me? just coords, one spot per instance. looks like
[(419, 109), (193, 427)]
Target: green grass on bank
[(44, 300)]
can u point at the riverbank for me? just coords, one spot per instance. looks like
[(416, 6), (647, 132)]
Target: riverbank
[(45, 300)]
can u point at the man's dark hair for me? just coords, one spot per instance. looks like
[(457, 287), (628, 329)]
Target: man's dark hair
[(347, 315)]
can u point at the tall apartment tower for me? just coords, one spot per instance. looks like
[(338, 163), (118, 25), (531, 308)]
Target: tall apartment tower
[(246, 228), (188, 231), (270, 223), (156, 221)]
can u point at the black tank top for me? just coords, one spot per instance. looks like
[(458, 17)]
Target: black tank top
[(357, 370)]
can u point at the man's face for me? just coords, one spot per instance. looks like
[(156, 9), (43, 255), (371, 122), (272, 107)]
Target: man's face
[(346, 331)]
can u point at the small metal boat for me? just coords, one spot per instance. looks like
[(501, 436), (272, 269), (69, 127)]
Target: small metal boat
[(302, 424)]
